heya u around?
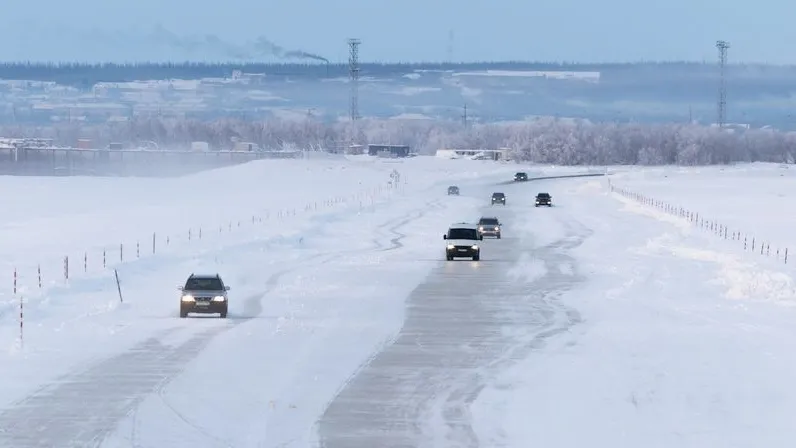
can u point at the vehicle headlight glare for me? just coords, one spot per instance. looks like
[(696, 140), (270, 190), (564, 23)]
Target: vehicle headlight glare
[(187, 298), (450, 246), (475, 246), (219, 298)]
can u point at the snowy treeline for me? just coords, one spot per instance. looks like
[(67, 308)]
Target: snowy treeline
[(545, 140)]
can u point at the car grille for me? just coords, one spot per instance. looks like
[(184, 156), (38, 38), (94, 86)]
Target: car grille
[(203, 299), (463, 247)]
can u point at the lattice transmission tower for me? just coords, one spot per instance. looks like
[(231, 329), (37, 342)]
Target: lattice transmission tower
[(722, 103), (353, 75)]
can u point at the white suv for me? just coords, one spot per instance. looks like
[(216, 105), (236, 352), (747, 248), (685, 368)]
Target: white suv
[(463, 242)]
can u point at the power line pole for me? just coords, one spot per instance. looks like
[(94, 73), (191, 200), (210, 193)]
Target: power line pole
[(353, 75), (722, 104), (464, 116)]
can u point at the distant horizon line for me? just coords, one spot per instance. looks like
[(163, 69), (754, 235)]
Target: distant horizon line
[(231, 62)]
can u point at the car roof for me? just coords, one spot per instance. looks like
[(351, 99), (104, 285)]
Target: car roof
[(543, 193), (204, 276), (463, 225), (498, 193)]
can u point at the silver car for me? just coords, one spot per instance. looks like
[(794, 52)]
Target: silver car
[(489, 226), (204, 294)]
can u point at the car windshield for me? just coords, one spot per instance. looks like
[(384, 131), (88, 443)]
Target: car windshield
[(498, 195), (204, 284), (462, 234), (488, 221), (543, 195)]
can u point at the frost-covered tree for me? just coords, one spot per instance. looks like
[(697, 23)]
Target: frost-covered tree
[(543, 140)]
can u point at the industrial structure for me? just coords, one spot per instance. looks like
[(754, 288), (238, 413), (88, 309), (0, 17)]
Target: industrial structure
[(389, 150), (721, 119)]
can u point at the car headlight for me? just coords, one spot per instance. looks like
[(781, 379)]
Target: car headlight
[(450, 246), (481, 229), (188, 298), (219, 299), (475, 247)]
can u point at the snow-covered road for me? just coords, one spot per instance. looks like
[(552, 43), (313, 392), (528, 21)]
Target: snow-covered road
[(466, 323), (596, 322)]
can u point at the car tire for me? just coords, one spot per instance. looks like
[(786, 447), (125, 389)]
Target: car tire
[(183, 314), (448, 257), (224, 314), (498, 236), (477, 257)]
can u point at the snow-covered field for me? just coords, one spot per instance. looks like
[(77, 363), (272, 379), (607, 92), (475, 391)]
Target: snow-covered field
[(675, 336), (686, 340)]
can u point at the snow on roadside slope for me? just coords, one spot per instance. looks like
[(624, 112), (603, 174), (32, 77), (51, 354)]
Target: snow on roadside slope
[(755, 199), (66, 326), (750, 198), (662, 357)]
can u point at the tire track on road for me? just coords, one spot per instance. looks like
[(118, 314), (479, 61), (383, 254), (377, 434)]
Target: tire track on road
[(464, 325)]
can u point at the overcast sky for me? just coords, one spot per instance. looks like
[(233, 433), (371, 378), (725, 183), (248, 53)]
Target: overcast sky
[(406, 30)]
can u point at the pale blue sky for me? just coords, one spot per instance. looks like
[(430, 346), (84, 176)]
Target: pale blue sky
[(577, 30)]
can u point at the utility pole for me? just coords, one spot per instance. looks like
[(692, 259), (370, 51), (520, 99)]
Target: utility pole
[(464, 116), (722, 102)]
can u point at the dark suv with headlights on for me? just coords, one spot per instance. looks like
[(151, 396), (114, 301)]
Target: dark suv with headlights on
[(498, 198), (204, 294), (489, 227), (544, 199)]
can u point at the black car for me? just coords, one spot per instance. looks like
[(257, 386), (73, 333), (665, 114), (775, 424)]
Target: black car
[(453, 190), (498, 198), (520, 177), (544, 199), (204, 294)]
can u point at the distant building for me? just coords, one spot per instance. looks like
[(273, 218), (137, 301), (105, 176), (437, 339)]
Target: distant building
[(474, 154), (389, 150)]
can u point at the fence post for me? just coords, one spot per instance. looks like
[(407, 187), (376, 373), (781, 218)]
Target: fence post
[(121, 251), (104, 259), (85, 261), (200, 233), (38, 272), (189, 234), (118, 285), (137, 250), (154, 241), (15, 281), (786, 255), (66, 267)]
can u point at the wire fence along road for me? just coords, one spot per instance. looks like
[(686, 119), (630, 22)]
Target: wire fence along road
[(749, 241)]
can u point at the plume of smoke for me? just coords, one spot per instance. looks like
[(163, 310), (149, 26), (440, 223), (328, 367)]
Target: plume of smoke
[(212, 44)]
